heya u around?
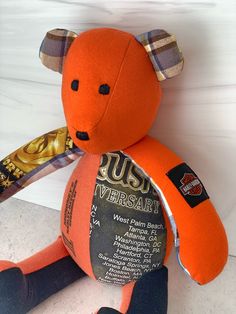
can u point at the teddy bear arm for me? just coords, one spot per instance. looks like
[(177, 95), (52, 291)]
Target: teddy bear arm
[(36, 159), (200, 237)]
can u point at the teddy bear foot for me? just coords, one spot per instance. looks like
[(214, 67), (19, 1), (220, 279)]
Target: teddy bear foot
[(13, 291), (150, 293), (20, 292), (108, 310)]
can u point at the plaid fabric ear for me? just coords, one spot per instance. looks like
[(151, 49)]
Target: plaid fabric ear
[(54, 48), (164, 53)]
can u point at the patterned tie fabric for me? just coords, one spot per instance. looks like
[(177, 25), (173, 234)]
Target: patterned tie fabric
[(35, 160)]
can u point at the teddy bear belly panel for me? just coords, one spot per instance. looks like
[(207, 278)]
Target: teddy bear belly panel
[(127, 228)]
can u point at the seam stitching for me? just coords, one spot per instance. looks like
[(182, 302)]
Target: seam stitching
[(116, 81)]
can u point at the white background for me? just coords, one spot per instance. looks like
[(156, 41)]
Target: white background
[(197, 118)]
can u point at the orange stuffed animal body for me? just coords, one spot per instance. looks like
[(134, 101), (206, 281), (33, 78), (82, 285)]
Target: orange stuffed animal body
[(129, 196)]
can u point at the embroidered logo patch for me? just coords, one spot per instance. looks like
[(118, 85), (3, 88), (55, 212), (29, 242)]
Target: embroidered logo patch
[(188, 183)]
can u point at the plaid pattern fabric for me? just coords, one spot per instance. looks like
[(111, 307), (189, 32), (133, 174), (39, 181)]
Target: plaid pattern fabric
[(36, 159), (164, 53), (54, 48)]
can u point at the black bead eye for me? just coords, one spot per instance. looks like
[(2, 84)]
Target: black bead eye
[(104, 89), (75, 85)]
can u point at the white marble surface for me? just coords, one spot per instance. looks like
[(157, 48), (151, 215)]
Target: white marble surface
[(197, 118), (31, 227)]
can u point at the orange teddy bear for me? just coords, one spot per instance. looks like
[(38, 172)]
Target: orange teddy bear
[(130, 197)]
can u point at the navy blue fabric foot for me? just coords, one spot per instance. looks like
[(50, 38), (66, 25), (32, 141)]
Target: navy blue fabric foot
[(150, 295), (13, 292), (108, 310), (20, 293)]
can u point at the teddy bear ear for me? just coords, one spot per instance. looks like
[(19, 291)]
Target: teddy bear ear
[(162, 48), (54, 48)]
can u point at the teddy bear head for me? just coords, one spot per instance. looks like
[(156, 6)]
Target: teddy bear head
[(110, 82)]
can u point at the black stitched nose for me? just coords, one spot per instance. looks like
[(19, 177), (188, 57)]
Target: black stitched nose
[(83, 136)]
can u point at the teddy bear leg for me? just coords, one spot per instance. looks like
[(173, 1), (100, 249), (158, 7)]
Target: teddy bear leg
[(150, 293), (147, 295), (26, 284)]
